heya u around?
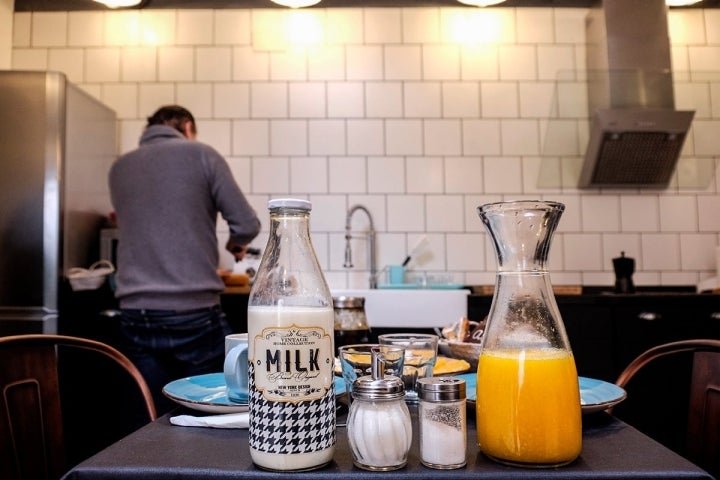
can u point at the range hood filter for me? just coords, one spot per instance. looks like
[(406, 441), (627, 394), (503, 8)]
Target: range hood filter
[(635, 147), (624, 158), (636, 135)]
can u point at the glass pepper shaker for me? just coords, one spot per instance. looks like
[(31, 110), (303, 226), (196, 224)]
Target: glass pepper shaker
[(378, 425), (443, 422)]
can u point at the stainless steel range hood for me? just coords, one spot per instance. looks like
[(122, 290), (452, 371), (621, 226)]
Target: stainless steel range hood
[(636, 135)]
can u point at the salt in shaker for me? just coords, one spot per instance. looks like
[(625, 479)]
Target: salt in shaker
[(442, 418), (378, 425)]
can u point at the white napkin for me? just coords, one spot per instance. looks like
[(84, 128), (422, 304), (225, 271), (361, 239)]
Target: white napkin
[(228, 420)]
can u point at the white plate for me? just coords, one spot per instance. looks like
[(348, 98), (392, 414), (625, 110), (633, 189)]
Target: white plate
[(208, 393), (595, 395)]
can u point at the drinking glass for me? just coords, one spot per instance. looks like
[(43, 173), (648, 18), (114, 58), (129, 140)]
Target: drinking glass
[(356, 361), (420, 356)]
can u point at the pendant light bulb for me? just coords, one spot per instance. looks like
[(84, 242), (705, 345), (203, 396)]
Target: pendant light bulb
[(481, 3), (296, 3), (119, 3)]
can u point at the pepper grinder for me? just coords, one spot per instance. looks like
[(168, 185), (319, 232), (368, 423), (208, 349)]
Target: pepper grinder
[(624, 268)]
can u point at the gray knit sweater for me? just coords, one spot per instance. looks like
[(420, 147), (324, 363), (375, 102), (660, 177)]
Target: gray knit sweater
[(167, 194)]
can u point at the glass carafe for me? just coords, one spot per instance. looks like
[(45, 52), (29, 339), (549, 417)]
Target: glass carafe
[(528, 398)]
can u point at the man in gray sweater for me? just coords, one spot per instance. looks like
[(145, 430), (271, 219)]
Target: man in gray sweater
[(167, 195)]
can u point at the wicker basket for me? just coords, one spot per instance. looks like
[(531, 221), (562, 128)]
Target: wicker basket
[(90, 278)]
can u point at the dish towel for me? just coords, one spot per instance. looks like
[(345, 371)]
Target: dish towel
[(229, 420)]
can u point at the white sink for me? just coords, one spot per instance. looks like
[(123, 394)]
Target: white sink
[(411, 308)]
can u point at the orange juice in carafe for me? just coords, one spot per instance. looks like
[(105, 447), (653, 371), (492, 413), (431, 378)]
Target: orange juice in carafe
[(528, 399), (528, 406)]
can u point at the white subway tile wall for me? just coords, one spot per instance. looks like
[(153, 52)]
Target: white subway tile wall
[(419, 114)]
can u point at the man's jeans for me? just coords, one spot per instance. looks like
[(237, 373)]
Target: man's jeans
[(166, 345)]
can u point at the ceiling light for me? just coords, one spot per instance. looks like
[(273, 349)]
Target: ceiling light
[(296, 3), (481, 3), (119, 3), (680, 3)]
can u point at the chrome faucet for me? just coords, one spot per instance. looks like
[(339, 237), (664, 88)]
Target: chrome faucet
[(371, 243)]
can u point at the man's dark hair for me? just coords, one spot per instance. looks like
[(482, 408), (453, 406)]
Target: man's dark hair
[(174, 116)]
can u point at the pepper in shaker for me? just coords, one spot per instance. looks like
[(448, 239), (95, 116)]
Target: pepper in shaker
[(443, 422), (379, 426)]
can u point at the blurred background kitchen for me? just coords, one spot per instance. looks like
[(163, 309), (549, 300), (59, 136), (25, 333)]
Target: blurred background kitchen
[(419, 114)]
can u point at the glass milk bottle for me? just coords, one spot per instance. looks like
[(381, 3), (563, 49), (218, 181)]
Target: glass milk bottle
[(528, 398), (290, 348)]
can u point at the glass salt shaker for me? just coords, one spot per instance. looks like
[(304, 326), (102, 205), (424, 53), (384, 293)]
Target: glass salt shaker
[(443, 422), (379, 426)]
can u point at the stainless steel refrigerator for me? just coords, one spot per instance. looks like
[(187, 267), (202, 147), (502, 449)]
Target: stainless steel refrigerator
[(56, 146)]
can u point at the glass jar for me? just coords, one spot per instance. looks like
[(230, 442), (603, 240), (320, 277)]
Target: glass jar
[(443, 422), (379, 426), (290, 348), (351, 325), (528, 398)]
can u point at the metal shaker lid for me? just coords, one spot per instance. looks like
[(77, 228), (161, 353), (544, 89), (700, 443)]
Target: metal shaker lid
[(439, 389), (348, 302), (377, 386), (386, 388)]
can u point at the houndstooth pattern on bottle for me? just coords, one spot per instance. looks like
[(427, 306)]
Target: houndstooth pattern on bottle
[(286, 427)]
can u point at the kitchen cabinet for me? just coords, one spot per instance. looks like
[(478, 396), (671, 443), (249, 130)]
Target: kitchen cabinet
[(235, 307), (89, 314), (607, 330), (589, 325), (645, 321), (590, 333)]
